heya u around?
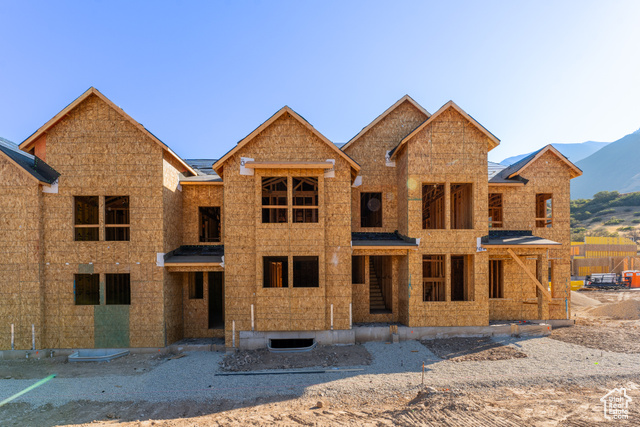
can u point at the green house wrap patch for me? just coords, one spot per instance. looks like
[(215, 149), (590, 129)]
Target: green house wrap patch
[(111, 326)]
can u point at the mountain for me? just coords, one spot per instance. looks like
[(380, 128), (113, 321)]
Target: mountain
[(574, 152), (615, 167)]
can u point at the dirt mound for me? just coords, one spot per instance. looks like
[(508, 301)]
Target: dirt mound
[(624, 310), (471, 349), (321, 356), (580, 300)]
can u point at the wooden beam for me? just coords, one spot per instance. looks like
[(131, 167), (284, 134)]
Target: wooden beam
[(201, 183), (386, 248), (288, 165), (532, 276)]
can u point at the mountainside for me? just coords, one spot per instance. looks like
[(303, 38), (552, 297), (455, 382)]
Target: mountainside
[(615, 167), (574, 152)]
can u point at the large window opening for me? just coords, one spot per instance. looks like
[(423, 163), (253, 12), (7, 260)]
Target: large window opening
[(274, 199), (209, 224), (370, 210), (305, 272), (433, 278), (305, 199), (196, 285), (87, 289), (86, 218), (544, 210), (461, 206), (118, 289), (461, 278), (116, 218), (495, 210), (433, 206), (275, 272), (357, 269), (496, 279)]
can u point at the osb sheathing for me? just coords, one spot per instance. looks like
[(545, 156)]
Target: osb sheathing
[(99, 152), (247, 240), (20, 256), (449, 151), (547, 174), (194, 197), (196, 311), (369, 151)]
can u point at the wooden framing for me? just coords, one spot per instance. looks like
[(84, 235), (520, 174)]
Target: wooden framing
[(492, 140), (100, 151), (26, 144), (218, 165)]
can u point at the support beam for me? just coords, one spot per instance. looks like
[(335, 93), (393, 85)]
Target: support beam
[(532, 276)]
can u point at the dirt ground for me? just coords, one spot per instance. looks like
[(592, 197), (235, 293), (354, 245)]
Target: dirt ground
[(568, 403), (600, 332), (321, 356), (529, 406), (471, 349), (133, 364)]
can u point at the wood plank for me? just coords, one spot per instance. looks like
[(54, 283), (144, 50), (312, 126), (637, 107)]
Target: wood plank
[(288, 165)]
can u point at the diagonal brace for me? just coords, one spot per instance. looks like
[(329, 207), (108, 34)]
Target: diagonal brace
[(532, 276)]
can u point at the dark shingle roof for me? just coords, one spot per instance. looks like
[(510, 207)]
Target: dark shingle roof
[(514, 238), (195, 254), (32, 164), (381, 239)]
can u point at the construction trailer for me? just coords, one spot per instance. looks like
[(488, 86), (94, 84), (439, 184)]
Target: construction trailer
[(110, 239)]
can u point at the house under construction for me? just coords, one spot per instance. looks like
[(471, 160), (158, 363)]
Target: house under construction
[(109, 239)]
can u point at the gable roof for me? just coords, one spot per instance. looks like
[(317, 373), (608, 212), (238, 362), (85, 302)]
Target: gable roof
[(494, 142), (217, 166), (34, 166), (365, 129), (25, 145), (511, 172)]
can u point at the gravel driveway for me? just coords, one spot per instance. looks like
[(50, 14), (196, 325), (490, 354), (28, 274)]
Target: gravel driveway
[(395, 368)]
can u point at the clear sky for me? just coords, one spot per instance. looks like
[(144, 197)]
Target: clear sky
[(202, 75)]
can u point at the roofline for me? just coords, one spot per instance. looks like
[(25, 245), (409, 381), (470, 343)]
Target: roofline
[(48, 184), (495, 141), (576, 170), (286, 109), (25, 145), (383, 115)]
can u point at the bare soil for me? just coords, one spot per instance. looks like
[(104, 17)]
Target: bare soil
[(529, 406), (321, 356), (605, 333), (133, 364), (471, 349)]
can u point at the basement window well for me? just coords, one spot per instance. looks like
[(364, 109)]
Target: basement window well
[(291, 344)]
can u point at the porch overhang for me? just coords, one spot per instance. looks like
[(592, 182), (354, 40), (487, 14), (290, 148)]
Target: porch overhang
[(195, 258), (516, 239), (393, 242)]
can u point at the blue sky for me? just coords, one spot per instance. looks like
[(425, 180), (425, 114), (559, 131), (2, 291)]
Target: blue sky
[(202, 75)]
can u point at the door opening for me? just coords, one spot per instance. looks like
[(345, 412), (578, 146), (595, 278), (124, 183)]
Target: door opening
[(216, 300)]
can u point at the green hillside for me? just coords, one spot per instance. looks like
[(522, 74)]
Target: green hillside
[(609, 213)]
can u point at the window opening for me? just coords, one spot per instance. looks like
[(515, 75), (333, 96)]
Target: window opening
[(305, 199), (305, 272), (495, 210), (544, 210), (433, 206), (461, 207), (118, 289), (371, 210), (275, 272), (87, 289), (433, 278), (209, 224), (86, 220), (116, 218), (274, 199)]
